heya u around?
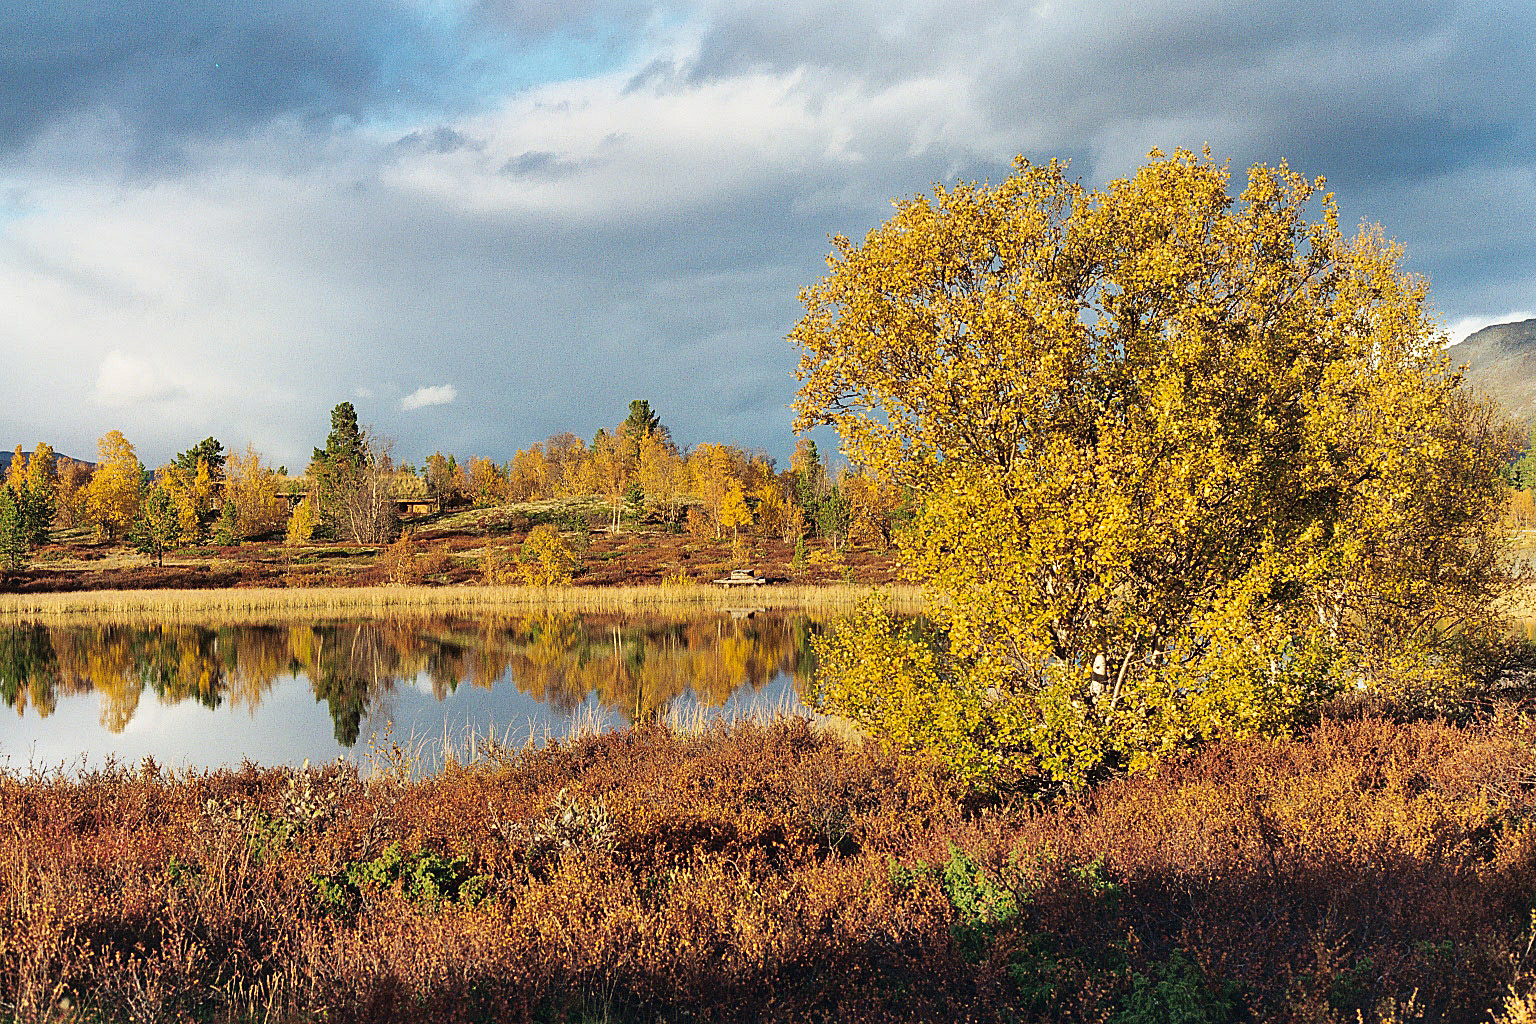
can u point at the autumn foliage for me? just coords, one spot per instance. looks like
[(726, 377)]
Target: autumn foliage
[(1190, 462), (771, 873)]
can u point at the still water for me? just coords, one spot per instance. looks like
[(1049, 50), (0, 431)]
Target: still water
[(201, 696)]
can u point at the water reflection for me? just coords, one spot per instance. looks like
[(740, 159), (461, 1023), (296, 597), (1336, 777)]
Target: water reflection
[(632, 668)]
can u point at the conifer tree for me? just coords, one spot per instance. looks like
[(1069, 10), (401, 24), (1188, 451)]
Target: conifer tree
[(15, 547), (158, 526)]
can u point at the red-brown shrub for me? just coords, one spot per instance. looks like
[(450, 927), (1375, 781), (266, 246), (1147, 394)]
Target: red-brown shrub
[(775, 873)]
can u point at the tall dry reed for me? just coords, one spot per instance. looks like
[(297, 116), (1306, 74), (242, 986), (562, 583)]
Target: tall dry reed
[(277, 603)]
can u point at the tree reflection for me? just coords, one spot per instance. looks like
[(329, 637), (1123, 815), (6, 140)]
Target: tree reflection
[(28, 669), (634, 667)]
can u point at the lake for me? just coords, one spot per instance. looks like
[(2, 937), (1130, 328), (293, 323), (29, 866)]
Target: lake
[(206, 695)]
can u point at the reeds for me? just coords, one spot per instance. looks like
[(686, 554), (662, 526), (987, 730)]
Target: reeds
[(1520, 603), (420, 756), (256, 604)]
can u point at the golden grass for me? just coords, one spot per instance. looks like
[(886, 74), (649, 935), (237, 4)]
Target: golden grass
[(419, 756), (253, 602), (1519, 603)]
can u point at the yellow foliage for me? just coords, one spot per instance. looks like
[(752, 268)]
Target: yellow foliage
[(1519, 1008), (112, 497), (1522, 510), (72, 496), (252, 488), (571, 472), (16, 472), (191, 495), (880, 672), (715, 469), (487, 481), (398, 559), (301, 523), (42, 470), (1188, 464), (662, 475), (528, 475), (546, 559), (495, 569), (819, 557), (611, 472), (734, 514), (773, 512), (870, 504)]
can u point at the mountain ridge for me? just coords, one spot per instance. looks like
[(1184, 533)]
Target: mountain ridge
[(60, 460), (1500, 362)]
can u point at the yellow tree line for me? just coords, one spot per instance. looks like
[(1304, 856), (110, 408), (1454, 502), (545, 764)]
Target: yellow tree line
[(717, 490)]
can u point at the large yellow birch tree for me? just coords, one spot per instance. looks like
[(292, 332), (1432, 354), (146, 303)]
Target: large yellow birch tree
[(1187, 464)]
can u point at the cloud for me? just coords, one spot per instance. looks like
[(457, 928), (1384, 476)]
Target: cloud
[(1460, 330), (167, 70), (532, 164), (149, 81), (125, 379), (441, 394), (578, 203), (438, 141)]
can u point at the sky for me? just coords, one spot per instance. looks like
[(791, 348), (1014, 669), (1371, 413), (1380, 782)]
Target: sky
[(486, 221)]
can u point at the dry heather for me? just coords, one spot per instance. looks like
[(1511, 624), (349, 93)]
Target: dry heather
[(1369, 871)]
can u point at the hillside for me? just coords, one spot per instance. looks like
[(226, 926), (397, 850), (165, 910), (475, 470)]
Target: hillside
[(1501, 363), (60, 461)]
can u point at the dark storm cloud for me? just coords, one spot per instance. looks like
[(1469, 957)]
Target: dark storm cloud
[(539, 164), (1388, 100), (549, 209), (163, 73), (439, 141), (167, 70), (1369, 90)]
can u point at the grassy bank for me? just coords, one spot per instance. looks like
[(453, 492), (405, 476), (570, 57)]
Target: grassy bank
[(1367, 871), (173, 605), (446, 550)]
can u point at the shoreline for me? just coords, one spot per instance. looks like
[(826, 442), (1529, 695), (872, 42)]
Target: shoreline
[(428, 600)]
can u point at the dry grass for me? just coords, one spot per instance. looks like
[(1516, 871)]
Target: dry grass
[(255, 603), (1521, 604)]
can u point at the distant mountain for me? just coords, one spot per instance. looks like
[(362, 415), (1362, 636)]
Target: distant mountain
[(59, 461), (1501, 363)]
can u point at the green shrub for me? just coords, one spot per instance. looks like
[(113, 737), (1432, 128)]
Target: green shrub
[(422, 877), (1176, 992), (982, 905)]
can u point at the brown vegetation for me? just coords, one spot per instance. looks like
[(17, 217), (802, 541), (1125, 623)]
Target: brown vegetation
[(1367, 870), (444, 550)]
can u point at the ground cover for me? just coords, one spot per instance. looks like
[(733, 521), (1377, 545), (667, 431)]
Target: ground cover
[(446, 549), (1370, 869)]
